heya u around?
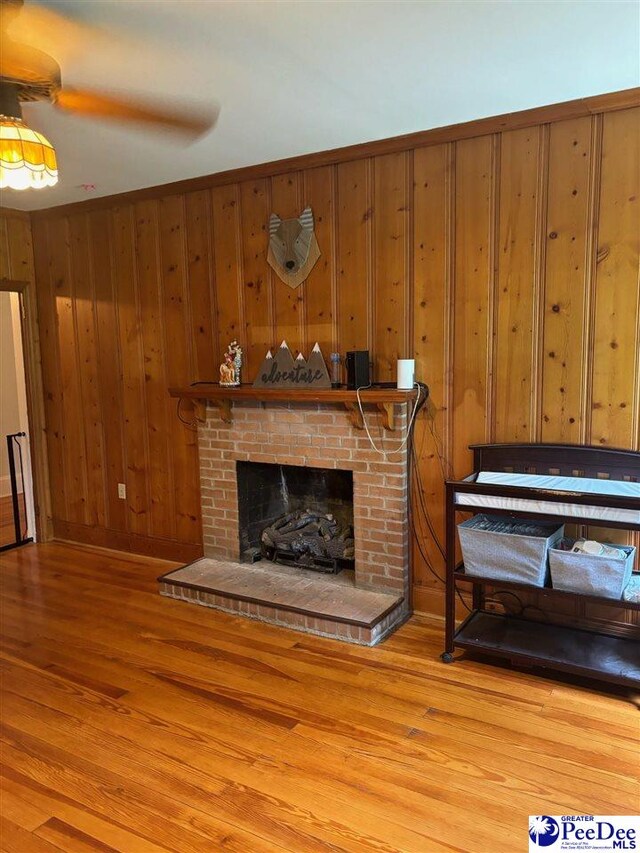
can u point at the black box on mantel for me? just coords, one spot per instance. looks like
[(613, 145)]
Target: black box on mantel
[(358, 375)]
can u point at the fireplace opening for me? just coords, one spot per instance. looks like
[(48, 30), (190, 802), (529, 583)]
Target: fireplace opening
[(296, 516)]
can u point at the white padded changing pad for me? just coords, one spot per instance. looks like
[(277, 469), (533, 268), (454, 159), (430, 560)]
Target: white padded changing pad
[(619, 488)]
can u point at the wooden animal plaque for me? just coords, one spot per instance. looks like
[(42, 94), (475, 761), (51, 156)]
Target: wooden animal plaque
[(293, 248)]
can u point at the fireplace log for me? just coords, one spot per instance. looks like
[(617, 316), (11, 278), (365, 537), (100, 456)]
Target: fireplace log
[(307, 536)]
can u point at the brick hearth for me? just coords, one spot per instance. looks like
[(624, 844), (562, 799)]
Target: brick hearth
[(311, 435)]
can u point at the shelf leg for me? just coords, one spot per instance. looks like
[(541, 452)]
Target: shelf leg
[(478, 597), (225, 410), (355, 416), (450, 599), (388, 415)]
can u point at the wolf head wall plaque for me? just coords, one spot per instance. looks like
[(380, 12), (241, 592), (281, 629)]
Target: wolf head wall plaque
[(293, 248)]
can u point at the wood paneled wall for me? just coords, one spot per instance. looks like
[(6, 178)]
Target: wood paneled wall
[(506, 263)]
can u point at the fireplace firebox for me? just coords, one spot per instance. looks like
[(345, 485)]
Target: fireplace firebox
[(296, 515)]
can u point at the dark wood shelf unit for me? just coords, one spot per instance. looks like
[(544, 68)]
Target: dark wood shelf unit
[(461, 575), (586, 653), (593, 653), (383, 398)]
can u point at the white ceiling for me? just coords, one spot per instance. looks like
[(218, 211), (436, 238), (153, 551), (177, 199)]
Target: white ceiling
[(294, 77)]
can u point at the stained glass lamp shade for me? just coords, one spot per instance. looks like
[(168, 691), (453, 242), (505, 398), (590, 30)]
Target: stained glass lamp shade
[(27, 158)]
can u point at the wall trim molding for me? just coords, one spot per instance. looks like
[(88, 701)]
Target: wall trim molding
[(118, 540), (14, 213), (624, 99)]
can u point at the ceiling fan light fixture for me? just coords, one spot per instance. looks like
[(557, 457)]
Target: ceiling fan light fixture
[(27, 158)]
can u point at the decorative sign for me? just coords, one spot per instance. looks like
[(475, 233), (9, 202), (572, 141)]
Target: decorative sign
[(283, 371), (293, 248)]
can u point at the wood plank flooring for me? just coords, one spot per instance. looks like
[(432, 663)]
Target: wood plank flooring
[(136, 723), (7, 527)]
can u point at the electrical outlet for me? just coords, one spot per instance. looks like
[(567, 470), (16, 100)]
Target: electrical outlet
[(122, 491)]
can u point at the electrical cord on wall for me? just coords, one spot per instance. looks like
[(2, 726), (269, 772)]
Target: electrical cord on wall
[(192, 425), (403, 443), (423, 510)]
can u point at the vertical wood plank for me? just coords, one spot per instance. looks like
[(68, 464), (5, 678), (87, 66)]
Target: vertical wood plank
[(617, 298), (257, 297), (227, 269), (109, 364), (353, 254), (87, 367), (179, 366), (186, 478), (515, 345), (391, 232), (133, 396), (53, 404), (200, 263), (73, 441), (319, 287), (17, 248), (565, 319), (286, 201), (430, 308), (162, 512), (471, 297), (177, 319), (5, 263)]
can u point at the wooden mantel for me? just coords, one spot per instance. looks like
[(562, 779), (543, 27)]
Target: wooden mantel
[(383, 398)]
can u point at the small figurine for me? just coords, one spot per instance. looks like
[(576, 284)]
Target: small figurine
[(230, 367)]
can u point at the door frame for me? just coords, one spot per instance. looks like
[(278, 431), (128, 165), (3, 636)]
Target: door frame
[(35, 403)]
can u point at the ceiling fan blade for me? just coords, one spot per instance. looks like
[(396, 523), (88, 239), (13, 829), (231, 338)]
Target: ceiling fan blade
[(90, 102), (21, 62), (51, 31)]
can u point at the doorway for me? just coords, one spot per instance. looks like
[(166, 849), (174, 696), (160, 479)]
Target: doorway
[(17, 505)]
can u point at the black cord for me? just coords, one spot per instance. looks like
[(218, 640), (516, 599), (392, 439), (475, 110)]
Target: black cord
[(423, 506), (413, 465), (513, 595), (414, 469), (459, 594), (425, 509), (192, 425), (534, 607)]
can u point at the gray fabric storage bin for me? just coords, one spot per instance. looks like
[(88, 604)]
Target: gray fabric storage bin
[(508, 549), (591, 574)]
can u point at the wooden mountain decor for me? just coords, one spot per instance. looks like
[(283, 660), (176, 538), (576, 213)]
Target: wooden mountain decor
[(283, 371)]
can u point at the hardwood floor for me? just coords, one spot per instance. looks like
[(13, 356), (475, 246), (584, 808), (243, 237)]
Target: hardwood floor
[(141, 724), (7, 527)]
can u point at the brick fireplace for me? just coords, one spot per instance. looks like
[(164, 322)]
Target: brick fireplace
[(361, 605)]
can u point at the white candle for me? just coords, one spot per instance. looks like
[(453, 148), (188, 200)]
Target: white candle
[(406, 373)]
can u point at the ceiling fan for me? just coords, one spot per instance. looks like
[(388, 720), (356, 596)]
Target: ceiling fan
[(27, 159)]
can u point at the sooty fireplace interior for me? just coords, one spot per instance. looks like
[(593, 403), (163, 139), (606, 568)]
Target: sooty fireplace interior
[(295, 515)]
